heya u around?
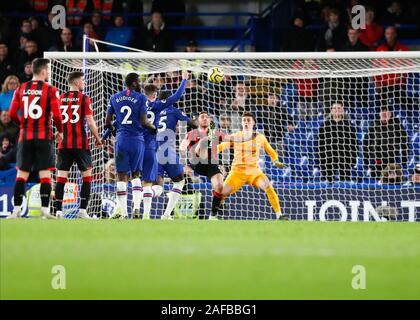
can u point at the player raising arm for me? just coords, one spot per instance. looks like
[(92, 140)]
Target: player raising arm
[(168, 159), (129, 108), (32, 105), (204, 161), (203, 158), (150, 163), (75, 107), (245, 168)]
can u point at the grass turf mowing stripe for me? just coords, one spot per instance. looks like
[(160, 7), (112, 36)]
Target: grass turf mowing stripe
[(208, 260)]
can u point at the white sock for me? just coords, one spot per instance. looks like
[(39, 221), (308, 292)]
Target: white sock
[(122, 196), (45, 211), (173, 196), (137, 192), (147, 200), (157, 190), (82, 211), (278, 214)]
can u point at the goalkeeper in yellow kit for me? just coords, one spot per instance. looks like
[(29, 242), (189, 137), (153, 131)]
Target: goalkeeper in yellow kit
[(245, 168)]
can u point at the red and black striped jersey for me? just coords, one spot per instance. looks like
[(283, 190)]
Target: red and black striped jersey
[(32, 105), (75, 106), (194, 136)]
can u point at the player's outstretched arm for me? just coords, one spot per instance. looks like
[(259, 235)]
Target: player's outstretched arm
[(94, 129), (180, 91), (183, 155), (183, 147), (237, 137), (224, 146), (56, 112), (273, 154)]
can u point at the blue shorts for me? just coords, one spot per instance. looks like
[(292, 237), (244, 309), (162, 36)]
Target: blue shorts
[(173, 168), (129, 155), (150, 166)]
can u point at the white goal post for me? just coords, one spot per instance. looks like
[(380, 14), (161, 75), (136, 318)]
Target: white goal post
[(346, 124)]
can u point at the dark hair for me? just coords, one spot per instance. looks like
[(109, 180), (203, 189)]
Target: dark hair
[(164, 95), (62, 30), (118, 15), (150, 89), (202, 112), (225, 116), (335, 11), (385, 109), (25, 21), (39, 64), (248, 114), (75, 75), (131, 78), (192, 43), (31, 18)]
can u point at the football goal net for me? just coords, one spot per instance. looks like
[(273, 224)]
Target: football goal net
[(346, 125)]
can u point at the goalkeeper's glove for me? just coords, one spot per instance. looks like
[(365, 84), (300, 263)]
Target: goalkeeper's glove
[(212, 132), (279, 164)]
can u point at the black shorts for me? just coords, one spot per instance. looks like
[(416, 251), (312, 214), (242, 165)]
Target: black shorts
[(35, 155), (66, 158), (208, 170)]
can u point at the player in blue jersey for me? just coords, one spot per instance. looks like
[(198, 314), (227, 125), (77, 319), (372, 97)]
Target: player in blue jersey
[(150, 164), (167, 156), (129, 109)]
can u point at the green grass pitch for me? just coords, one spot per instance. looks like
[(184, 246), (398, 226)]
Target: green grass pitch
[(208, 259)]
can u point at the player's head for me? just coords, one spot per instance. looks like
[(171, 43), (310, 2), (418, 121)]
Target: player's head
[(337, 111), (150, 90), (41, 68), (240, 89), (248, 121), (132, 81), (203, 119), (385, 115), (76, 80)]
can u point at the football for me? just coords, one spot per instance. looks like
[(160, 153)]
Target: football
[(216, 75)]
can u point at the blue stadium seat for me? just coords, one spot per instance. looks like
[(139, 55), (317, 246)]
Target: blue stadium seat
[(413, 85), (8, 176)]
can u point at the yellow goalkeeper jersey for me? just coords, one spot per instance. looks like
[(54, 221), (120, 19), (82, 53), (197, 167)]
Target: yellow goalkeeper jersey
[(247, 154)]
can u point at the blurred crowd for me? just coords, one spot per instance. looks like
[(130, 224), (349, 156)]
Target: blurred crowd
[(26, 36), (335, 31), (29, 32)]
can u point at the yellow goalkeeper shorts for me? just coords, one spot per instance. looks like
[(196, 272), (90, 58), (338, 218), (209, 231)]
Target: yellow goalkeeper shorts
[(236, 180)]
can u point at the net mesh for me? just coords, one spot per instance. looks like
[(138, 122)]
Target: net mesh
[(347, 129)]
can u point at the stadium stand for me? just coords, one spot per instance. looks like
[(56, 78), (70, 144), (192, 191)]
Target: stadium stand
[(22, 22)]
